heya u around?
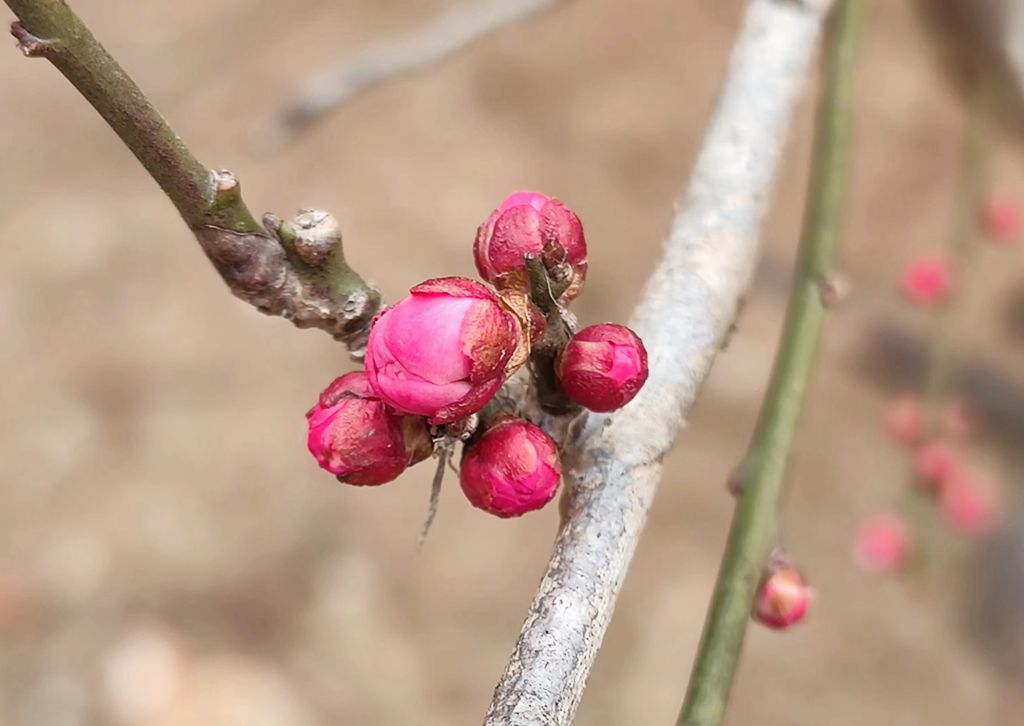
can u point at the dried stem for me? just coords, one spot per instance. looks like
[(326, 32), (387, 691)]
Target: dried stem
[(686, 311), (432, 42), (321, 291), (755, 527)]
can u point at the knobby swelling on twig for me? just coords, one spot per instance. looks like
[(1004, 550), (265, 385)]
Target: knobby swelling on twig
[(424, 46), (296, 270), (754, 531), (686, 309)]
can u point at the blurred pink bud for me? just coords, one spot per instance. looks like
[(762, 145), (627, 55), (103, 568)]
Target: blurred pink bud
[(882, 543), (936, 460), (443, 351), (513, 468), (970, 503), (1000, 219), (524, 224), (958, 419), (603, 367), (354, 435), (904, 420), (783, 599), (927, 281)]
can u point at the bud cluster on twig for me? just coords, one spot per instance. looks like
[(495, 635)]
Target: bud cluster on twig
[(935, 430), (436, 362)]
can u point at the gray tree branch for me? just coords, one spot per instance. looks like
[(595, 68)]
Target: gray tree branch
[(686, 311), (422, 47)]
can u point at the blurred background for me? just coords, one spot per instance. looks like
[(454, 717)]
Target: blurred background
[(171, 554)]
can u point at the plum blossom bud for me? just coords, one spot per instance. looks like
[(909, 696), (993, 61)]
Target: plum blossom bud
[(513, 468), (936, 460), (927, 281), (969, 502), (905, 420), (958, 419), (530, 223), (603, 367), (783, 598), (354, 435), (1000, 219), (443, 351), (882, 543)]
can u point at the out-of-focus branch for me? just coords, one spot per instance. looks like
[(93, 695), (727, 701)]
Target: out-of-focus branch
[(686, 311), (755, 526), (297, 270), (424, 46)]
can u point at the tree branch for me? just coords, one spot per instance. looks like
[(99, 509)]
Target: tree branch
[(755, 527), (316, 290), (687, 309), (422, 47)]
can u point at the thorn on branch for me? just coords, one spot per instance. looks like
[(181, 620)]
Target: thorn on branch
[(28, 44)]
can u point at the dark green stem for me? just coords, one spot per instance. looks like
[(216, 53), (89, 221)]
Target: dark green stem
[(755, 528), (544, 295), (49, 28)]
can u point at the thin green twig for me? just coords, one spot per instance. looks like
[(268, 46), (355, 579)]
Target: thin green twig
[(754, 531)]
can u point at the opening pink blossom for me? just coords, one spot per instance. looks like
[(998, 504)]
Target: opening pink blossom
[(442, 352)]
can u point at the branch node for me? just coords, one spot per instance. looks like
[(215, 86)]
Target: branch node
[(834, 290), (30, 45), (224, 183)]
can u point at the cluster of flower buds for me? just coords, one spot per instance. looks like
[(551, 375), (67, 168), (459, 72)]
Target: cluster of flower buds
[(436, 359), (938, 448), (937, 437)]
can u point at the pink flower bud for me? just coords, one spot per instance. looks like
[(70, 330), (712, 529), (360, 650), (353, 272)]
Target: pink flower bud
[(904, 421), (603, 367), (444, 351), (523, 224), (936, 460), (511, 469), (882, 543), (355, 436), (969, 502), (783, 599), (958, 419), (1000, 219), (927, 281)]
